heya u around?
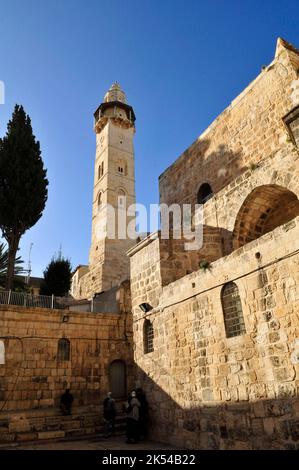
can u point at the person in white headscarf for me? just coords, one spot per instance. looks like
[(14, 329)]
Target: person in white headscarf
[(133, 415)]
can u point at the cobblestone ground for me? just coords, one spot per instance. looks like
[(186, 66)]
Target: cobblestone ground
[(113, 443)]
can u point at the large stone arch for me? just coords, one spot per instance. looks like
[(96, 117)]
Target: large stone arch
[(286, 178), (265, 208)]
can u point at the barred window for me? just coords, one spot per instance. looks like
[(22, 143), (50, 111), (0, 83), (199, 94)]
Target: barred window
[(64, 349), (232, 310), (148, 336), (291, 120)]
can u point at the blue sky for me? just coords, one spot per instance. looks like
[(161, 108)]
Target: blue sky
[(180, 63)]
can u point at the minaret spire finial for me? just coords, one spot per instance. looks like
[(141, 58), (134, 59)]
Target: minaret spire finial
[(115, 93)]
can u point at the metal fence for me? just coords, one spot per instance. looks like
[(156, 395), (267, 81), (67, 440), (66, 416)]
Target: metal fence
[(24, 299)]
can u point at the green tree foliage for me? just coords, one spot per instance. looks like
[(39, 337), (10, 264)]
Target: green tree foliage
[(57, 277), (18, 267), (23, 184)]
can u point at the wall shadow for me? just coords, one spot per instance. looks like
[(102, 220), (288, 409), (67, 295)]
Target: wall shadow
[(262, 424)]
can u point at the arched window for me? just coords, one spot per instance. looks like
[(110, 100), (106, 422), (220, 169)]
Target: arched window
[(99, 201), (232, 310), (2, 352), (101, 170), (63, 350), (148, 336), (121, 166), (121, 198), (204, 193)]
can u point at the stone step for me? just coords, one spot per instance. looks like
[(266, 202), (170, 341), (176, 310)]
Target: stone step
[(25, 427)]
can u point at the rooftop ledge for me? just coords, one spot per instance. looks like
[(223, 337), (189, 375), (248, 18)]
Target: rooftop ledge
[(143, 243)]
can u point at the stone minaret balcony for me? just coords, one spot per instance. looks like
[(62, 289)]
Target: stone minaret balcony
[(114, 107)]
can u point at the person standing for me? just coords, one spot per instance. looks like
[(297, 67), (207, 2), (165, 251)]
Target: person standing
[(109, 414), (66, 401), (133, 415), (143, 413)]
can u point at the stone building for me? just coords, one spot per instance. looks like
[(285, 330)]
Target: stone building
[(78, 273), (212, 334), (43, 352), (216, 331)]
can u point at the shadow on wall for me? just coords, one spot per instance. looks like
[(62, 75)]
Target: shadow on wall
[(198, 175), (264, 209), (194, 179), (181, 182), (262, 424)]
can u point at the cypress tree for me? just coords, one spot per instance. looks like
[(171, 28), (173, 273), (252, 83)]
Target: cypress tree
[(57, 277), (23, 184)]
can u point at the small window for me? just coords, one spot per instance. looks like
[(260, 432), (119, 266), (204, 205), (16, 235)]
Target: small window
[(121, 198), (291, 120), (204, 193), (148, 336), (2, 353), (120, 169), (63, 350), (99, 201), (232, 310), (101, 170)]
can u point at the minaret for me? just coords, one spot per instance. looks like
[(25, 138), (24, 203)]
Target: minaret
[(114, 189)]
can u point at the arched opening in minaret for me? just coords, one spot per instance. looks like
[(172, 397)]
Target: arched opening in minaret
[(101, 170), (100, 201), (121, 199)]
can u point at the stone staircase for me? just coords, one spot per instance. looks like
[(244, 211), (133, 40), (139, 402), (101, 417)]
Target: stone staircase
[(49, 423)]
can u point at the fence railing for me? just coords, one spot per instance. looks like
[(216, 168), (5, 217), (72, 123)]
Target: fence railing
[(25, 299)]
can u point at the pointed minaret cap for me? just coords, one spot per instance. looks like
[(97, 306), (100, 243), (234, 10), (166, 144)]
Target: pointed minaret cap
[(115, 93), (282, 44)]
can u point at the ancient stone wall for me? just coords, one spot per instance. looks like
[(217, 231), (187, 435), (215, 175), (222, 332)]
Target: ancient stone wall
[(34, 376), (217, 351), (252, 205), (209, 391)]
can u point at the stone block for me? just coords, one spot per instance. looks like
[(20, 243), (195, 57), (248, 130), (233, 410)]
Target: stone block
[(26, 436), (50, 435)]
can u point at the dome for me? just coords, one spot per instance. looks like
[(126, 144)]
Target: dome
[(115, 93)]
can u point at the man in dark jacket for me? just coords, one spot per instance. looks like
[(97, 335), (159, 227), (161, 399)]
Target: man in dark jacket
[(66, 401), (143, 415), (109, 414)]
